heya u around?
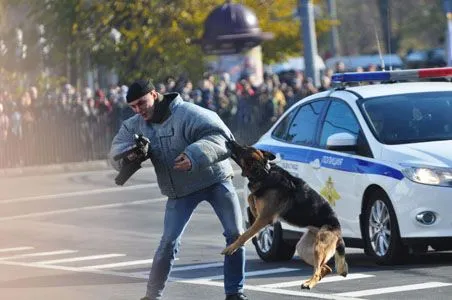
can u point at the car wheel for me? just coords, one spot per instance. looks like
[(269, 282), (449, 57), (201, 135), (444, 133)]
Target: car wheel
[(270, 245), (381, 231)]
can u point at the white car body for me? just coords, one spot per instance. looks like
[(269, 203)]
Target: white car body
[(349, 177)]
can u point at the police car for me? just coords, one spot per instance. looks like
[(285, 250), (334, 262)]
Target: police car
[(380, 153)]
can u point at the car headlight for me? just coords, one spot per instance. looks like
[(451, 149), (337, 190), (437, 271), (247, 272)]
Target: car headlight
[(432, 176)]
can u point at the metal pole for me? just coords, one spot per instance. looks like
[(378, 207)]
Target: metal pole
[(309, 40), (386, 29), (334, 34), (448, 40)]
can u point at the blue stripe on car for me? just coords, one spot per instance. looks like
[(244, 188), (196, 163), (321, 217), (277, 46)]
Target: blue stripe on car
[(332, 161)]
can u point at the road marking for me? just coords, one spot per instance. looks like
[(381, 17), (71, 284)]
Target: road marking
[(202, 282), (197, 267), (15, 249), (73, 269), (324, 280), (395, 289), (120, 264), (80, 193), (76, 209), (38, 254), (80, 258), (274, 291), (250, 274)]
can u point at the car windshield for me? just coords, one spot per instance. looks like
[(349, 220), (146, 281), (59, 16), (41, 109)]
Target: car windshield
[(410, 118)]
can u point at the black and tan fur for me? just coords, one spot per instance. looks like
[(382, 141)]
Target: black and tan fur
[(275, 194)]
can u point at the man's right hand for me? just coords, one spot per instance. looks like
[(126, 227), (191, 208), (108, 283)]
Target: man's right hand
[(182, 163)]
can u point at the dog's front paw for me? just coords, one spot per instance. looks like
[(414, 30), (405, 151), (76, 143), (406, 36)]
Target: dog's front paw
[(310, 283), (305, 285), (229, 250), (344, 270)]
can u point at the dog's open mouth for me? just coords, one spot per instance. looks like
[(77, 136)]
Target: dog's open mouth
[(250, 160)]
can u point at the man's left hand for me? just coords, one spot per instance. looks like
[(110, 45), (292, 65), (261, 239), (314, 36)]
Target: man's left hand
[(182, 163)]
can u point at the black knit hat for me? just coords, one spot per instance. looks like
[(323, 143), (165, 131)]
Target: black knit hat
[(138, 89)]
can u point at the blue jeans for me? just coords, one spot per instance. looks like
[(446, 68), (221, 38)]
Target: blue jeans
[(223, 198)]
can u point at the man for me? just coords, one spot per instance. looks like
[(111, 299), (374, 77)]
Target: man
[(187, 148)]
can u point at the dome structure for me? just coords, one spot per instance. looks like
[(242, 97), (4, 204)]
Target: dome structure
[(232, 28)]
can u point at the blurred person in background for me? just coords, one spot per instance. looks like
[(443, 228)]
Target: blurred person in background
[(186, 90), (160, 88), (340, 67), (309, 87), (208, 94), (4, 130), (28, 154), (36, 103), (121, 110), (15, 137), (170, 84), (325, 83)]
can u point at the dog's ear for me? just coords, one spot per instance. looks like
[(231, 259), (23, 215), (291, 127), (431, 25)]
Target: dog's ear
[(268, 155)]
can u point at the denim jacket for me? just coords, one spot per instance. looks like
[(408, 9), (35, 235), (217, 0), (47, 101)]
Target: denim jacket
[(190, 129)]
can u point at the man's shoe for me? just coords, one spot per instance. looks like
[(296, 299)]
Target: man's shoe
[(238, 296)]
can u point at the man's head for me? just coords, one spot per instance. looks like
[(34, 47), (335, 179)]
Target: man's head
[(141, 97)]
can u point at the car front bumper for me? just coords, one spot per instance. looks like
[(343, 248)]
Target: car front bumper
[(411, 199)]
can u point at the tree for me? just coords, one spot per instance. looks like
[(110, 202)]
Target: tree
[(280, 17), (155, 36), (2, 14)]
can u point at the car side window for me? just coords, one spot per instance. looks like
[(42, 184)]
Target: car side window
[(304, 125), (281, 129), (339, 118)]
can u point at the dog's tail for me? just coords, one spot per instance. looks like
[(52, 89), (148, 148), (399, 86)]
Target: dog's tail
[(339, 258)]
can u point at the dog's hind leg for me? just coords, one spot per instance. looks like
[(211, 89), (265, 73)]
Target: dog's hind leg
[(305, 249), (305, 246), (339, 258), (324, 249)]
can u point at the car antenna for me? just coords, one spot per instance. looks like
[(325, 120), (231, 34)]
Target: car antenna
[(388, 22)]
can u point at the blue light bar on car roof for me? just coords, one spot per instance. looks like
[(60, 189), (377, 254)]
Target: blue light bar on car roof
[(411, 74)]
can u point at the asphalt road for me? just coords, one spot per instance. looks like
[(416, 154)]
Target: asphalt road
[(78, 236)]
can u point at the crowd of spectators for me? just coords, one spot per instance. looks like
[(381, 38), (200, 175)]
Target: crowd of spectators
[(70, 125)]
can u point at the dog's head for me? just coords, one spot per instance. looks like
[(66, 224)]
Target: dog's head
[(254, 163)]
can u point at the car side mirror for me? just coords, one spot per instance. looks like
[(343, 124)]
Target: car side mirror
[(342, 141)]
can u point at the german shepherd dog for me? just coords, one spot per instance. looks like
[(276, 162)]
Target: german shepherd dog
[(275, 194)]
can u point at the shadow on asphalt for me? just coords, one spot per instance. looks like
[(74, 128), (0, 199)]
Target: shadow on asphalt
[(359, 262)]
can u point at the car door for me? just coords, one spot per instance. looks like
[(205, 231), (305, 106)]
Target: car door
[(333, 173)]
